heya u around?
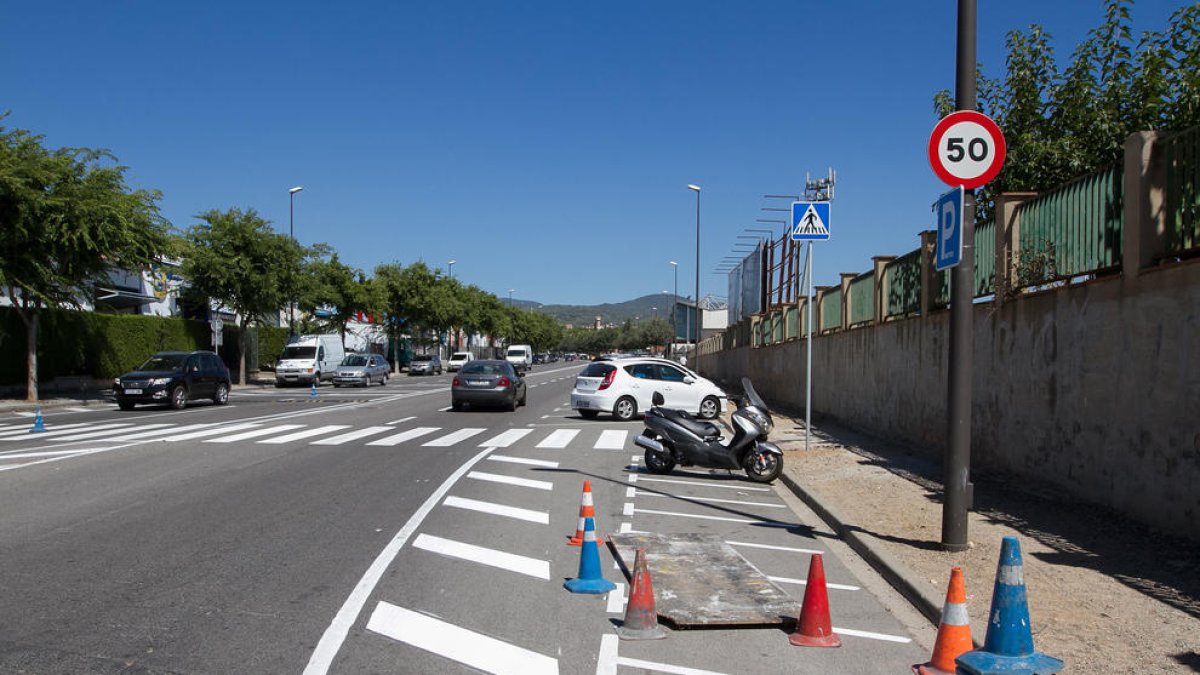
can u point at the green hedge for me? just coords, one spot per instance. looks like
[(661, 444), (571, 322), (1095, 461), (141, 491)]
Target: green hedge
[(271, 341)]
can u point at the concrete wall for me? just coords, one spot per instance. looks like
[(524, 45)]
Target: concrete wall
[(1093, 387)]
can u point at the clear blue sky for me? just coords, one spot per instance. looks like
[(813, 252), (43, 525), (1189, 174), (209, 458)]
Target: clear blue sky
[(545, 146)]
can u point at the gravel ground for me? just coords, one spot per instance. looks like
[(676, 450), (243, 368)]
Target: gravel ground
[(1106, 595)]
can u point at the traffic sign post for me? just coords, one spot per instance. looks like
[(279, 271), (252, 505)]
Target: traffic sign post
[(949, 210), (966, 149), (810, 221)]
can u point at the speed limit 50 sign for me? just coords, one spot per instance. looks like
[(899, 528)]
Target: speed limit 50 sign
[(966, 149)]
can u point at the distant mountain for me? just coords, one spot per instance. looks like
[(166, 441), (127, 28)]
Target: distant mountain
[(638, 309)]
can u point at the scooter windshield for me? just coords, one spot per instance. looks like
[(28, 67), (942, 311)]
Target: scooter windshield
[(752, 396)]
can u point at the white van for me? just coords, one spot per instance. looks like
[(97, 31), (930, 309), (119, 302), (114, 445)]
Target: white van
[(309, 358), (521, 357), (458, 360)]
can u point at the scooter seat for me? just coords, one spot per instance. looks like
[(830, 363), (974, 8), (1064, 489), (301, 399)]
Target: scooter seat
[(684, 419)]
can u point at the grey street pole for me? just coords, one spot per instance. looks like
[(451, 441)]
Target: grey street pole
[(451, 266), (674, 303), (808, 306), (292, 234), (696, 188), (957, 469)]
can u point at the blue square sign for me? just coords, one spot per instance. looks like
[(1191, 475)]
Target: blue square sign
[(949, 247), (810, 221)]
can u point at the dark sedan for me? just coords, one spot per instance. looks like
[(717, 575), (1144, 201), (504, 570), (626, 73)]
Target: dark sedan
[(488, 383), (174, 378)]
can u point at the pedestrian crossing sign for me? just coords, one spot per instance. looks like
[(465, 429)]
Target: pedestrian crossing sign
[(810, 221)]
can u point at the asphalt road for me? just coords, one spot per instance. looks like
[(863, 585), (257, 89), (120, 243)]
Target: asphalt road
[(376, 531)]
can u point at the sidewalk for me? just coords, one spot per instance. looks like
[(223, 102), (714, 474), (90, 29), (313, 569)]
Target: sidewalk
[(1106, 595), (13, 401)]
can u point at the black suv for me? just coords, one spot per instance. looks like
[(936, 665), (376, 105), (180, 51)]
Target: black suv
[(174, 378)]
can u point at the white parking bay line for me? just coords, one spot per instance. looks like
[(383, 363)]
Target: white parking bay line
[(804, 582), (539, 569), (773, 548), (612, 439), (522, 460), (210, 432), (873, 636), (505, 439), (254, 433), (713, 484), (452, 438), (559, 438), (307, 433), (764, 523), (511, 480), (457, 644), (397, 439), (499, 509), (689, 498), (352, 436)]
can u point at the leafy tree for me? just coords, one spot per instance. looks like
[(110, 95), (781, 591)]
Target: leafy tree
[(235, 258), (332, 286), (67, 219)]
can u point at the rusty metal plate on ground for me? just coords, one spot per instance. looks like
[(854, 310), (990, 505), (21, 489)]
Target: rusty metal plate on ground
[(699, 581)]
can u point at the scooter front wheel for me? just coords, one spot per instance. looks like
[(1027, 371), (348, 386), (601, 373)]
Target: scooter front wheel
[(761, 466), (659, 462)]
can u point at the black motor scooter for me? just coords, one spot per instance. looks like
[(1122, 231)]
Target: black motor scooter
[(676, 437)]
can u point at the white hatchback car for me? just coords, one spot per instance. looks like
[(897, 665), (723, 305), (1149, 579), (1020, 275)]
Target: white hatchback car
[(626, 387)]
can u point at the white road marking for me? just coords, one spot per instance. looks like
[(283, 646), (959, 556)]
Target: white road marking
[(452, 438), (457, 644), (608, 659), (507, 438), (612, 439), (539, 569), (522, 460), (559, 438), (688, 498), (628, 510), (352, 436), (402, 420), (804, 582), (714, 484), (626, 528), (499, 509), (510, 480), (160, 432), (773, 548), (25, 414), (307, 433), (630, 492), (209, 432), (869, 634), (56, 430), (254, 433), (73, 409), (333, 637), (107, 432), (446, 409), (48, 453), (616, 600), (397, 439), (764, 523)]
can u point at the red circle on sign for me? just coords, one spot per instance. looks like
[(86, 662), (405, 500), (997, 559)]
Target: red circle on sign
[(966, 148)]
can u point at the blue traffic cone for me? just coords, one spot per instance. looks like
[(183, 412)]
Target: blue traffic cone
[(38, 425), (590, 579), (313, 392), (1008, 647)]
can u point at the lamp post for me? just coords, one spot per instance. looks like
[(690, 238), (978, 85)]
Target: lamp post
[(696, 189), (451, 266), (674, 303), (510, 292), (292, 233)]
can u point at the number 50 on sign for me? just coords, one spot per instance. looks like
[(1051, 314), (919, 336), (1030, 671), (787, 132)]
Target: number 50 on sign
[(966, 149)]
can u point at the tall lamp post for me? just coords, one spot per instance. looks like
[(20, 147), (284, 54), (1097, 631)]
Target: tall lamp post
[(451, 266), (292, 233), (450, 273), (674, 303), (696, 189), (510, 292)]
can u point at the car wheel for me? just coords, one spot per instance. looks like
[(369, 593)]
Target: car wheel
[(511, 406), (710, 407), (525, 397), (625, 409), (125, 405), (221, 397), (588, 414), (178, 397), (383, 380)]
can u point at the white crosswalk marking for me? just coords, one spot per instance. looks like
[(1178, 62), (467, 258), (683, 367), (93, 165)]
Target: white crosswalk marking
[(612, 439), (22, 430), (451, 439), (511, 480), (254, 433), (499, 510), (307, 433), (143, 435), (60, 430), (397, 439), (522, 460), (352, 436), (210, 432), (559, 439), (484, 556), (506, 439), (92, 433)]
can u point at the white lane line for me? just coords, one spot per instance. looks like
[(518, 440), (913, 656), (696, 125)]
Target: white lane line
[(25, 414), (107, 432), (333, 637), (74, 409), (48, 453), (764, 523), (141, 435), (511, 480), (397, 439), (612, 439), (505, 439), (210, 432), (307, 433), (255, 433), (546, 417), (804, 582), (868, 634), (352, 436), (710, 484), (773, 548), (539, 569), (559, 438), (457, 644), (452, 438), (402, 420), (57, 430), (688, 498), (522, 460), (446, 409), (499, 509), (616, 600)]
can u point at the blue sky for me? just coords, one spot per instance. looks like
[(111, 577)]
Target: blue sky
[(545, 146)]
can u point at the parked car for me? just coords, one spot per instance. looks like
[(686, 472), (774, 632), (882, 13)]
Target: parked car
[(521, 356), (625, 387), (362, 370), (458, 360), (540, 358), (488, 382), (425, 364), (173, 379)]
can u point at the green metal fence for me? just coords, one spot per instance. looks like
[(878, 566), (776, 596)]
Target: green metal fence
[(1073, 230), (776, 326), (792, 323), (903, 279), (862, 299), (1182, 154), (831, 309), (985, 258)]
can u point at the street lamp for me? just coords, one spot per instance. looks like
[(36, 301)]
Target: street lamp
[(696, 189), (674, 302), (292, 233), (510, 292), (451, 266)]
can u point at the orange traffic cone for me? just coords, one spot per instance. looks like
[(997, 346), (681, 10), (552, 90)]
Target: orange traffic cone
[(954, 630), (814, 627), (641, 618), (586, 510)]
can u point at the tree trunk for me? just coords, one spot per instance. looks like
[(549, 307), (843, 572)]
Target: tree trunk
[(242, 352), (31, 334)]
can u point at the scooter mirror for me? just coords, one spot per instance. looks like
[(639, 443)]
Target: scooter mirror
[(657, 398)]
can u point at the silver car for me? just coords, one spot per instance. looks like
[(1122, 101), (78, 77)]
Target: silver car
[(361, 370)]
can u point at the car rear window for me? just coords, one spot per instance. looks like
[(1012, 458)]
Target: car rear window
[(485, 368), (597, 370)]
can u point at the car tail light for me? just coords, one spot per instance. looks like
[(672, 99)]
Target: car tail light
[(608, 379), (456, 383), (503, 381)]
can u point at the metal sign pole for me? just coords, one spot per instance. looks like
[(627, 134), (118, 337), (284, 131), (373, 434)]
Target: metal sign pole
[(808, 370)]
